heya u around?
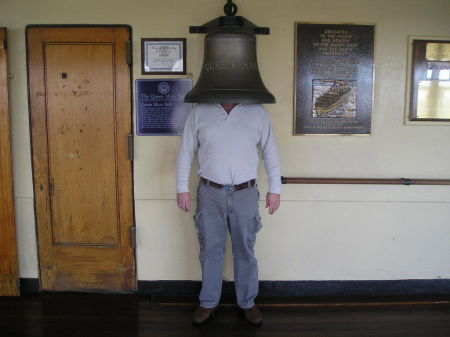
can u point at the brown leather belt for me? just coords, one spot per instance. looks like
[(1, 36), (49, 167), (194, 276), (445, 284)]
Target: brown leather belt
[(230, 188)]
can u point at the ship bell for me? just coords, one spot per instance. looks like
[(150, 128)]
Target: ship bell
[(230, 71)]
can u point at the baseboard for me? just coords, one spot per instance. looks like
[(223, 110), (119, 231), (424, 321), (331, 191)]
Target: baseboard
[(29, 285), (376, 288), (369, 288)]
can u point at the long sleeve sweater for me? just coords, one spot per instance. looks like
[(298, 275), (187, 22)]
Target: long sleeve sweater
[(228, 145)]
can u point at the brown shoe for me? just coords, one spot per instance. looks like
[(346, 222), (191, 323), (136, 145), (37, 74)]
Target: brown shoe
[(201, 314), (253, 315)]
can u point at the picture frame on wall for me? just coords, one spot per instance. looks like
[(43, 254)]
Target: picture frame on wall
[(428, 82), (334, 75), (163, 56)]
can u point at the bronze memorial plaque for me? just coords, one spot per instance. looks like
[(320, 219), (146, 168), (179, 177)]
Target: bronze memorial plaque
[(334, 79)]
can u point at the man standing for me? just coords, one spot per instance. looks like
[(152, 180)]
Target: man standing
[(227, 138)]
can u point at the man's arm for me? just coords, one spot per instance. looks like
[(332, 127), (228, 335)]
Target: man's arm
[(186, 154), (271, 164)]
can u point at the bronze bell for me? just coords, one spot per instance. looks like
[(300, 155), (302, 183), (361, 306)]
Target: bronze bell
[(230, 69)]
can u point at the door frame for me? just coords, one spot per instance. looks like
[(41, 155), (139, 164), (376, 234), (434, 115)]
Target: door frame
[(9, 268), (40, 173)]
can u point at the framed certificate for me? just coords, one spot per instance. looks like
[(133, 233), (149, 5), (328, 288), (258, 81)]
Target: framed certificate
[(163, 56)]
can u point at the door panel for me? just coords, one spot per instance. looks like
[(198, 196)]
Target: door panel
[(81, 125), (9, 271), (80, 93)]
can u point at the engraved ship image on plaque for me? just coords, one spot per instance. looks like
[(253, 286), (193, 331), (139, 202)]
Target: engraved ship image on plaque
[(332, 99)]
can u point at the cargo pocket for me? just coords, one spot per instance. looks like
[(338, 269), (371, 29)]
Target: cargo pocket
[(197, 217), (255, 228)]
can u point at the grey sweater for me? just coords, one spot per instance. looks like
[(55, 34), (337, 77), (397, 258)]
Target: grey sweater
[(228, 145)]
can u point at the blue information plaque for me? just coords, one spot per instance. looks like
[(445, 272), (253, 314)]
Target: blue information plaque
[(160, 107)]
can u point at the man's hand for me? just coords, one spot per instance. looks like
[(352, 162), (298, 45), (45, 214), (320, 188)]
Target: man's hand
[(272, 202), (184, 201)]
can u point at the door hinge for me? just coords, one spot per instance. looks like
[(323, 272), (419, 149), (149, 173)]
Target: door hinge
[(129, 52), (51, 188), (130, 147), (133, 236)]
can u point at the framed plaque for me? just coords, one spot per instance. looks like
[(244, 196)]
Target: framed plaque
[(333, 79), (163, 56), (160, 107)]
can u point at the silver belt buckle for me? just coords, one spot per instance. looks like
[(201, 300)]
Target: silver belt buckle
[(229, 188)]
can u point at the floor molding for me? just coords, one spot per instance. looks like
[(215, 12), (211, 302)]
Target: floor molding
[(29, 285), (369, 288), (304, 289), (331, 303)]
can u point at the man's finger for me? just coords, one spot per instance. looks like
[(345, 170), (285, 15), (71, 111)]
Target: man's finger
[(273, 207), (184, 201)]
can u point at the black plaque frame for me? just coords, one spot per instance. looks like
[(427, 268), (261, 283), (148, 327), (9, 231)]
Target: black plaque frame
[(334, 74)]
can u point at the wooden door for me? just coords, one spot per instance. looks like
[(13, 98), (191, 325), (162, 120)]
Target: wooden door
[(80, 95), (9, 272)]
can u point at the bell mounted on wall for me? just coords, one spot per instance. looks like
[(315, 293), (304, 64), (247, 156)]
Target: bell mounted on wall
[(230, 71)]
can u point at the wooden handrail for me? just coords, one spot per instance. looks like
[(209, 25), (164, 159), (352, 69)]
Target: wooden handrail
[(365, 181)]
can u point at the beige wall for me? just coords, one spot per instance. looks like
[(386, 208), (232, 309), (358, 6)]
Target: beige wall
[(328, 232)]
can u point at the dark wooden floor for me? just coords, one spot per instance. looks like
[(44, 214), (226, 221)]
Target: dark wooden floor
[(89, 314)]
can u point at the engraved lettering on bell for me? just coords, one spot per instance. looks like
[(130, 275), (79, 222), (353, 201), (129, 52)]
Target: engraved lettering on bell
[(218, 65), (251, 66)]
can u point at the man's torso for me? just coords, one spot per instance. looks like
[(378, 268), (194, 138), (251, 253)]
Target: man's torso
[(228, 143)]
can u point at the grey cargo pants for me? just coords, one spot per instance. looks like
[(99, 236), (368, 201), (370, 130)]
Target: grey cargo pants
[(219, 211)]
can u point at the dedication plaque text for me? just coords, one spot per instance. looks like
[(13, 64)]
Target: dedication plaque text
[(334, 78)]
